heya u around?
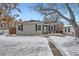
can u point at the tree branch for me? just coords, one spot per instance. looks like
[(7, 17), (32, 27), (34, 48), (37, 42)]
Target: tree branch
[(70, 11), (56, 12), (72, 19)]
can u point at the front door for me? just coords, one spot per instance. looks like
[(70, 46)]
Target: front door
[(45, 29)]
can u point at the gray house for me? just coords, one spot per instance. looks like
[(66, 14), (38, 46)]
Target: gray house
[(38, 27), (3, 29)]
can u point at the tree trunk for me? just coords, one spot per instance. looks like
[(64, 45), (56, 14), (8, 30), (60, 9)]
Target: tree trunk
[(76, 32), (76, 28), (72, 20)]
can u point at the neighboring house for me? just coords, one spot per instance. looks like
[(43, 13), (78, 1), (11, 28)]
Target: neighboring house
[(6, 24), (69, 30), (39, 27)]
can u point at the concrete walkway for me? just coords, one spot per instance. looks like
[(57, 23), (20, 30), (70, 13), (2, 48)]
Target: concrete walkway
[(54, 49)]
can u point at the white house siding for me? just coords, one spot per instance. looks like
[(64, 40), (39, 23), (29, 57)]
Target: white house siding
[(29, 28), (72, 32)]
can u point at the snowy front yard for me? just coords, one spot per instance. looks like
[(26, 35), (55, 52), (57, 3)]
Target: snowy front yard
[(66, 45), (24, 46)]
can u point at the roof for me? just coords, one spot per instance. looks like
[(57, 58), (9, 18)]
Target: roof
[(31, 23), (68, 26)]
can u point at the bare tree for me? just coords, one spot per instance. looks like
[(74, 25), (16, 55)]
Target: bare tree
[(52, 8), (6, 10), (53, 17)]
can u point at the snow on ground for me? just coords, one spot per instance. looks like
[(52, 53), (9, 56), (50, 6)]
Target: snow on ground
[(65, 46), (24, 46)]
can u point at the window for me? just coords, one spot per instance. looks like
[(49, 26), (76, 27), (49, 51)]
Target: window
[(65, 29), (68, 29), (51, 27), (20, 27), (39, 27)]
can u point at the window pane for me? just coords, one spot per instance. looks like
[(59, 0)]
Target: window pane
[(68, 29), (18, 27), (51, 27), (39, 27)]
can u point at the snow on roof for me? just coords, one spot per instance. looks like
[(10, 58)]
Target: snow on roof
[(68, 26)]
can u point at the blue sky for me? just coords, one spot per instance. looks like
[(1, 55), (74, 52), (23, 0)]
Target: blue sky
[(28, 13)]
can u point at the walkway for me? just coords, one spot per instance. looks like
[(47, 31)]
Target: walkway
[(54, 50)]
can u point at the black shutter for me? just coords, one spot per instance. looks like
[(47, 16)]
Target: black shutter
[(54, 28), (21, 27), (65, 29), (35, 27), (49, 29)]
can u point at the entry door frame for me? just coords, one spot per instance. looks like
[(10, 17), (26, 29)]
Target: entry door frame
[(47, 29)]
